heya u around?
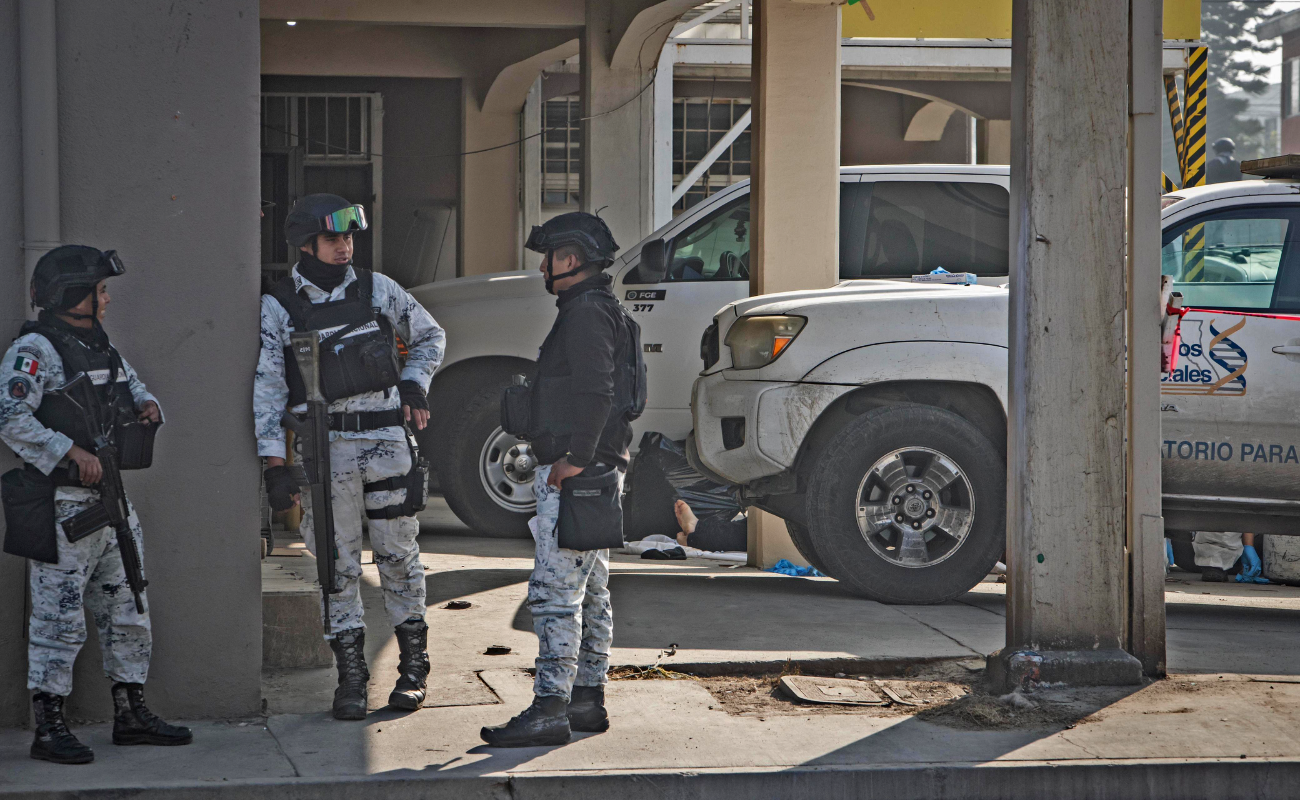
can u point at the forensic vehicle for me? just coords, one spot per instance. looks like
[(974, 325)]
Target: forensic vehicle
[(871, 416), (894, 221)]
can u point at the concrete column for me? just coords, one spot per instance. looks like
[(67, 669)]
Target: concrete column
[(795, 238), (530, 171), (1067, 478), (489, 188), (1145, 524), (617, 132), (662, 188)]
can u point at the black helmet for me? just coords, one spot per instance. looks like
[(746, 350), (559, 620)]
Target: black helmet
[(587, 232), (66, 269), (1222, 145), (322, 213)]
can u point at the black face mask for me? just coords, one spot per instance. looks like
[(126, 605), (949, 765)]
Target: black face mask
[(326, 276)]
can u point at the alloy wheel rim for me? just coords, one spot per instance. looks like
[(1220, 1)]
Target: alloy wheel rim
[(915, 507)]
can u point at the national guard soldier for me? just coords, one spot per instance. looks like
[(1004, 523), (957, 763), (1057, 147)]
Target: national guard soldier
[(48, 427), (374, 465), (590, 385)]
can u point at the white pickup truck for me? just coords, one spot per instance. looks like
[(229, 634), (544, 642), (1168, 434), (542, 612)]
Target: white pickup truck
[(895, 221), (871, 416)]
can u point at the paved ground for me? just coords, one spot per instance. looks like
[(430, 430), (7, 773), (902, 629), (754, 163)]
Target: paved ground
[(1225, 725)]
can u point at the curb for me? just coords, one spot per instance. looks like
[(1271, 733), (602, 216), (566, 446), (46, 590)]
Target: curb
[(1150, 780)]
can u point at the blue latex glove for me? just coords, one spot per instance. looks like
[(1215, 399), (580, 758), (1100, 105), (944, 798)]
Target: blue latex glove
[(1251, 567), (784, 567)]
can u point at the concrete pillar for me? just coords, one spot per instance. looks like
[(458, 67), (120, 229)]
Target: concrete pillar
[(530, 171), (1146, 627), (617, 131), (489, 188), (662, 157), (795, 198), (1067, 514)]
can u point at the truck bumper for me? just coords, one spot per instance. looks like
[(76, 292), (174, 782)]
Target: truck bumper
[(746, 430)]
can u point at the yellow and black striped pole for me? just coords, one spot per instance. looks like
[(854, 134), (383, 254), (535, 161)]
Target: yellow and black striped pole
[(1194, 148), (1176, 121), (1166, 183)]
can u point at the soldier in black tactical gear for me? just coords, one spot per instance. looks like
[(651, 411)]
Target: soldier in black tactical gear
[(62, 482), (590, 385)]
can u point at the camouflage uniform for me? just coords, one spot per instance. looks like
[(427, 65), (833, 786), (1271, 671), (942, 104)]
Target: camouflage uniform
[(357, 457), (89, 571), (568, 594)]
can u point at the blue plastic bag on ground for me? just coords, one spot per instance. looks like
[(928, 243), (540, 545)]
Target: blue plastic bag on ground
[(784, 567)]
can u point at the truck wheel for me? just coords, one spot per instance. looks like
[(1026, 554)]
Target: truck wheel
[(908, 505), (1184, 556), (803, 542), (486, 475)]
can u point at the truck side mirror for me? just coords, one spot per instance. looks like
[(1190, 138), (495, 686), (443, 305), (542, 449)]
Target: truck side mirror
[(654, 261)]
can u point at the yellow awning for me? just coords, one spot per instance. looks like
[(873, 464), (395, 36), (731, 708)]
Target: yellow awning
[(975, 19)]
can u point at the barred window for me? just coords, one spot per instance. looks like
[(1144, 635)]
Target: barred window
[(698, 124), (561, 151)]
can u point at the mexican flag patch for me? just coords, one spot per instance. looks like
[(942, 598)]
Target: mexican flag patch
[(27, 365)]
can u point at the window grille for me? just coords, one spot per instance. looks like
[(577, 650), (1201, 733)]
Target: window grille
[(698, 124), (332, 127), (561, 152)]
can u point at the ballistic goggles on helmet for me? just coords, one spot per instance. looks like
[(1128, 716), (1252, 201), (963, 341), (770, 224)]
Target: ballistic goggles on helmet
[(346, 220)]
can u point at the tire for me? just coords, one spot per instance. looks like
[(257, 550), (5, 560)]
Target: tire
[(1184, 556), (803, 542), (464, 476), (950, 482)]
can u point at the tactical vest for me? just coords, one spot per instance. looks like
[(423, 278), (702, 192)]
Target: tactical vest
[(106, 372), (550, 395), (358, 352)]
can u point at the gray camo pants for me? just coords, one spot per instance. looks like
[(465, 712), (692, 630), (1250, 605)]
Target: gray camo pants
[(355, 462), (568, 595), (88, 575)]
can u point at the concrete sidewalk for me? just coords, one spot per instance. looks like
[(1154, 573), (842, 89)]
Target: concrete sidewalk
[(1235, 734)]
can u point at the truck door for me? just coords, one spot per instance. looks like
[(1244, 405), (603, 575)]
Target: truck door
[(708, 267), (1229, 422)]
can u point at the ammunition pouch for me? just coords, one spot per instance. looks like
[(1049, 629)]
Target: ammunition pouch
[(89, 521), (134, 441), (517, 408), (28, 498), (591, 511), (415, 482)]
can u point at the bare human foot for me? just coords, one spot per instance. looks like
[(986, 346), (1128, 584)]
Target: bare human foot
[(686, 519)]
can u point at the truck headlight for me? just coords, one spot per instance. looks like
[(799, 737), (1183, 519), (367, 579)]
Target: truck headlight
[(757, 341)]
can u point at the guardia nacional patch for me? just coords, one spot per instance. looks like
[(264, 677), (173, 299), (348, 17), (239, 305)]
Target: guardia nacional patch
[(19, 388)]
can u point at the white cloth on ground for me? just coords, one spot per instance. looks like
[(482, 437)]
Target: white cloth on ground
[(660, 542), (1216, 549)]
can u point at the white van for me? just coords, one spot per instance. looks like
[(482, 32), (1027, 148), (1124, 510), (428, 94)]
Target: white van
[(895, 221)]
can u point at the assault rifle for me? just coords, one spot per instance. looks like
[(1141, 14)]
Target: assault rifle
[(313, 433), (112, 509)]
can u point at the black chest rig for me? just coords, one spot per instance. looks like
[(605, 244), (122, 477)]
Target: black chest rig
[(106, 372), (358, 352)]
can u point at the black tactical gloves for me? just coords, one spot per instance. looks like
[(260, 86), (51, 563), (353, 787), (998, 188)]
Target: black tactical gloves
[(280, 488), (413, 395)]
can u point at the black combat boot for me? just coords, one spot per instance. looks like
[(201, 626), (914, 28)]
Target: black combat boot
[(542, 723), (54, 742), (587, 710), (133, 723), (350, 697), (412, 639)]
